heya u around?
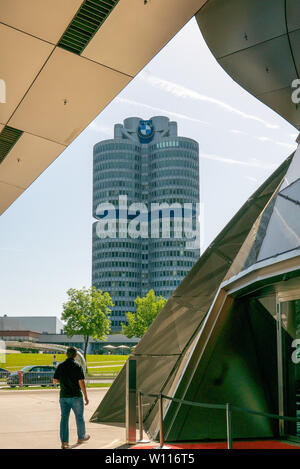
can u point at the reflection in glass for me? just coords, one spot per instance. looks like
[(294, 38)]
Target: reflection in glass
[(290, 323)]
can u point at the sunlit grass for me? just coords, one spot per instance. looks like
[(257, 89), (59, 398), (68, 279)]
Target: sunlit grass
[(16, 361), (112, 369), (30, 388)]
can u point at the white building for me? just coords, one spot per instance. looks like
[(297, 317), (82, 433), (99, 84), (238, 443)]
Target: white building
[(41, 324)]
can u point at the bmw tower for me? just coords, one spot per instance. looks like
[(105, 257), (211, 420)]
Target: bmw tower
[(145, 176)]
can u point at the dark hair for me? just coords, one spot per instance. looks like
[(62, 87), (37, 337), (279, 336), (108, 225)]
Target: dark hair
[(71, 352)]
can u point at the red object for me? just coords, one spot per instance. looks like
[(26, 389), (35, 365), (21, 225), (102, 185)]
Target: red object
[(223, 445), (20, 374)]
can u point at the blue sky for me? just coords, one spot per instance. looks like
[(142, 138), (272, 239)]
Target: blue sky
[(45, 236)]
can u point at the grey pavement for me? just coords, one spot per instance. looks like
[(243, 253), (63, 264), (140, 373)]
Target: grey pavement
[(30, 419)]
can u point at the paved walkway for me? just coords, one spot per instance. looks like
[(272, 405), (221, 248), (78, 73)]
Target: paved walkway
[(30, 420)]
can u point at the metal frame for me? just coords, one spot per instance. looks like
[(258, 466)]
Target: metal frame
[(227, 407), (280, 366), (281, 388), (285, 291), (131, 401), (229, 425)]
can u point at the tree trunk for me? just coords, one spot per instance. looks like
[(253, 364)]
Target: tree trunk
[(86, 343)]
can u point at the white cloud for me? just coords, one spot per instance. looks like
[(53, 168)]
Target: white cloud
[(183, 92), (276, 142), (173, 115), (104, 129), (239, 132), (252, 179), (11, 250), (253, 163)]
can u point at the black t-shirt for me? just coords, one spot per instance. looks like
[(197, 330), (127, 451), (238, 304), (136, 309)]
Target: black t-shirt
[(69, 373)]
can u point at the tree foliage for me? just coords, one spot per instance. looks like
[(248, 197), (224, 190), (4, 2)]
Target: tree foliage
[(147, 308), (87, 313)]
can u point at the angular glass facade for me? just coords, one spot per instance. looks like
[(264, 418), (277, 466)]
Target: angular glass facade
[(230, 333), (147, 165)]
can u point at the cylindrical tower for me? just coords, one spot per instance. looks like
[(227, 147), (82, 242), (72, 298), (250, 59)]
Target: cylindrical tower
[(146, 163), (174, 176), (116, 259)]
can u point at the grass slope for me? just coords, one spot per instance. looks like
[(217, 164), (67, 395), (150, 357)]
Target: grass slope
[(16, 361)]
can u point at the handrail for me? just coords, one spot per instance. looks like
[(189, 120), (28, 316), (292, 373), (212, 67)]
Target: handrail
[(221, 406), (196, 404), (266, 414), (227, 407)]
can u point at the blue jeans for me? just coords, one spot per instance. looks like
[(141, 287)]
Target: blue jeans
[(76, 404)]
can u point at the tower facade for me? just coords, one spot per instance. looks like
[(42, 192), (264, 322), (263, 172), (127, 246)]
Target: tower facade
[(145, 201)]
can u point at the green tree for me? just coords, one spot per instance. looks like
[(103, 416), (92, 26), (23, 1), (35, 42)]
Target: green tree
[(87, 313), (147, 308)]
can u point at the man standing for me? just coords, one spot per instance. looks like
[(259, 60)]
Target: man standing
[(70, 376)]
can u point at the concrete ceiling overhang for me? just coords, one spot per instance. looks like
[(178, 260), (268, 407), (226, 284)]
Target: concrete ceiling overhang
[(258, 45), (52, 93)]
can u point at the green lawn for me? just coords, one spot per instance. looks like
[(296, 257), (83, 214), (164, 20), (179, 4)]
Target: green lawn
[(16, 361), (106, 358), (108, 369), (97, 371), (30, 388)]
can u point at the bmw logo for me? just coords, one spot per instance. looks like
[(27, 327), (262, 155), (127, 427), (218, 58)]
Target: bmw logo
[(145, 131)]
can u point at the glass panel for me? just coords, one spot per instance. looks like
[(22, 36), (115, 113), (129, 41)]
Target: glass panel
[(294, 170), (283, 232), (288, 339), (292, 191), (290, 336), (269, 303)]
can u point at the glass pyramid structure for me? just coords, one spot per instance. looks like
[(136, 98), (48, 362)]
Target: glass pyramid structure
[(202, 346)]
